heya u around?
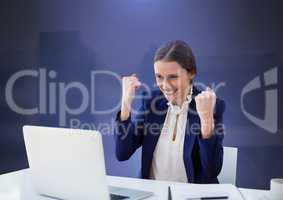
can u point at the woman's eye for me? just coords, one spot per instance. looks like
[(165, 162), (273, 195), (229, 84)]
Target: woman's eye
[(159, 77), (173, 77)]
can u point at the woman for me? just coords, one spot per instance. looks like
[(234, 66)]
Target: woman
[(178, 126)]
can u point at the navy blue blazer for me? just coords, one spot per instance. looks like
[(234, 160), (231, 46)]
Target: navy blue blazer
[(202, 157)]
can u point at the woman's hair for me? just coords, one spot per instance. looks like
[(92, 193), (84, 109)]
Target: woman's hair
[(178, 51)]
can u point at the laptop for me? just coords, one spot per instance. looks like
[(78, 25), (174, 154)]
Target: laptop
[(69, 164)]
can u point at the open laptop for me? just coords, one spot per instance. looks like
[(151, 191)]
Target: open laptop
[(69, 164)]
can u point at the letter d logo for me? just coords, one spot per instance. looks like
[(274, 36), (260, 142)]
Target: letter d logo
[(270, 121)]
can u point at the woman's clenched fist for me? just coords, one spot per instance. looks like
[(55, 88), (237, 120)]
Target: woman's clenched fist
[(129, 86), (205, 103)]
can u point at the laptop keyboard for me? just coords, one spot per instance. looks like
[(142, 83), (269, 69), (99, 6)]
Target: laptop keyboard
[(117, 197)]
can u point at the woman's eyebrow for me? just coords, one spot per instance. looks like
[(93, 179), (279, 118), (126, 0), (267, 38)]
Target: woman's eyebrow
[(172, 75), (169, 75)]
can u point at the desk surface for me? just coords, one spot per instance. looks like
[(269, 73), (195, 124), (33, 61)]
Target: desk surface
[(16, 186)]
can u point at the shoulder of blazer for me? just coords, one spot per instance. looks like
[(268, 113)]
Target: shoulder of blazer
[(219, 106), (153, 101)]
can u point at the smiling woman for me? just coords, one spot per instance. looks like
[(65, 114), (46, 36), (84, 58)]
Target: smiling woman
[(175, 68), (187, 146)]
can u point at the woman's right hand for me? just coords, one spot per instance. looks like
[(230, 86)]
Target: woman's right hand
[(129, 86)]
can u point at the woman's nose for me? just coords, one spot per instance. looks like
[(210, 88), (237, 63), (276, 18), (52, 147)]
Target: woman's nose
[(166, 85)]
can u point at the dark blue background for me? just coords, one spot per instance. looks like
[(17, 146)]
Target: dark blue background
[(233, 42)]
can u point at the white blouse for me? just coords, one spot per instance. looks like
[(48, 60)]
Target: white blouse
[(168, 163)]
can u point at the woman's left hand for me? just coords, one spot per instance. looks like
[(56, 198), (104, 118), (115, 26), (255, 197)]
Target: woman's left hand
[(205, 103)]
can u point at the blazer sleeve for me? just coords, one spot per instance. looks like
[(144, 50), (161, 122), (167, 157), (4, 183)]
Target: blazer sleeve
[(211, 149), (129, 134)]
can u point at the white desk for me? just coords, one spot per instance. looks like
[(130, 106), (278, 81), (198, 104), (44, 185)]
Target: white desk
[(16, 186)]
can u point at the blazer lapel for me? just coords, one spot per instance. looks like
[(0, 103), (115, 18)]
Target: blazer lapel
[(158, 118), (193, 120)]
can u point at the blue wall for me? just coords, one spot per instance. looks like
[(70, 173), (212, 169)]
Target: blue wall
[(234, 42)]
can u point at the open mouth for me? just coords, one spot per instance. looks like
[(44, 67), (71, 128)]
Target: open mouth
[(170, 93)]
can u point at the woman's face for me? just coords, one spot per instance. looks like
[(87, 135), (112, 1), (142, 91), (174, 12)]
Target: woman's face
[(173, 80)]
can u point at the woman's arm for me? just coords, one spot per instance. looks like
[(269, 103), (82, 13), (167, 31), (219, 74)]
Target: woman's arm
[(211, 148), (128, 133)]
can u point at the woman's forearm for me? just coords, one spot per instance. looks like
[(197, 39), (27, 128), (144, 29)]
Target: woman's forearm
[(125, 112)]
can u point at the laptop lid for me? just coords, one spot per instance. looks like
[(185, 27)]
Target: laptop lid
[(66, 163)]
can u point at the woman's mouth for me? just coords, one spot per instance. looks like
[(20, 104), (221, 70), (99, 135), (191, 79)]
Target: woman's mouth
[(170, 93)]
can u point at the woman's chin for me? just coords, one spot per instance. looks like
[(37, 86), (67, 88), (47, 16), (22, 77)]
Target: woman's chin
[(171, 99)]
